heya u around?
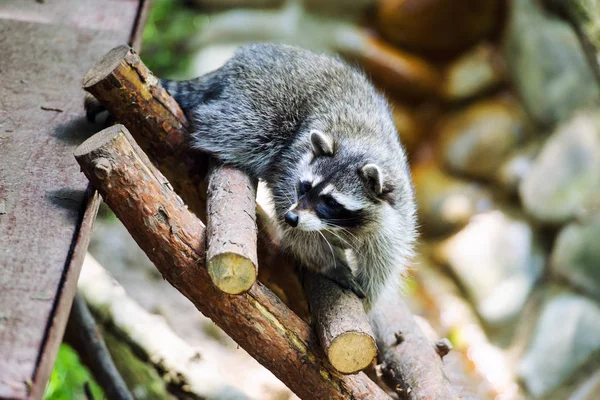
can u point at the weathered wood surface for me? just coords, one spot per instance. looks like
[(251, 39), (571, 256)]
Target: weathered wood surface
[(174, 240), (46, 215)]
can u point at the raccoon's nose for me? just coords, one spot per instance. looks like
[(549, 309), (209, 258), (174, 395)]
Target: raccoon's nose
[(291, 219)]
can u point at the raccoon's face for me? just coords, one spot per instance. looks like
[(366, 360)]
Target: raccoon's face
[(337, 191)]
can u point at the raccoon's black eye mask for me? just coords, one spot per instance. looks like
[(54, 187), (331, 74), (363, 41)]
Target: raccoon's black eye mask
[(331, 211)]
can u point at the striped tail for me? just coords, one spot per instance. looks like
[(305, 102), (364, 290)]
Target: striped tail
[(194, 91)]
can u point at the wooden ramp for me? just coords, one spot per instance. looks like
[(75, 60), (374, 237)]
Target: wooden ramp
[(46, 208)]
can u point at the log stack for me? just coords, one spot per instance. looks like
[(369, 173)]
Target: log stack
[(216, 266)]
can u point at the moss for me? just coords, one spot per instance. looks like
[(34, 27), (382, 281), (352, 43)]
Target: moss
[(69, 377), (143, 380)]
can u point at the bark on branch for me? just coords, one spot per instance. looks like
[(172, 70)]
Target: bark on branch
[(231, 223), (173, 239), (409, 362)]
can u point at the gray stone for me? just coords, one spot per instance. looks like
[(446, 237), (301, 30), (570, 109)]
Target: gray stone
[(564, 180), (576, 255), (566, 335), (517, 165), (476, 141), (446, 204), (497, 259), (547, 64), (588, 390), (474, 73)]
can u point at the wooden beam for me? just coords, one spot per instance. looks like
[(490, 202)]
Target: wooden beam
[(174, 240)]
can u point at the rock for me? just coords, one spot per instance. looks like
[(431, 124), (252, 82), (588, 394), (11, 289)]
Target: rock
[(474, 73), (565, 337), (497, 258), (589, 390), (547, 65), (564, 180), (517, 165), (437, 26), (576, 255), (446, 203), (476, 141), (399, 72)]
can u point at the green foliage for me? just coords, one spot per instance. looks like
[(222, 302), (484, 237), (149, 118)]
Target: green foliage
[(166, 48), (69, 377)]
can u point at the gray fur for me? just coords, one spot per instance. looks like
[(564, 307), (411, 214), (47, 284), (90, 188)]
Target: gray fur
[(257, 113)]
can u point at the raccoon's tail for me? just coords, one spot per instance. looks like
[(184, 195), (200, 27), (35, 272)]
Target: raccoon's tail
[(195, 91)]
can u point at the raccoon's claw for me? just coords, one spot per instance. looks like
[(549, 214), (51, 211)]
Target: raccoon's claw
[(346, 280), (92, 107)]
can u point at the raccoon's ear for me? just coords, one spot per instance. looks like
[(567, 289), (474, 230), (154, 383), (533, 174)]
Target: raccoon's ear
[(322, 144), (373, 177)]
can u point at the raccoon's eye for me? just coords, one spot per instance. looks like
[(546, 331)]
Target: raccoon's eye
[(331, 202), (304, 187)]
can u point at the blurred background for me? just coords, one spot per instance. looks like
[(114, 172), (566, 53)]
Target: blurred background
[(496, 102)]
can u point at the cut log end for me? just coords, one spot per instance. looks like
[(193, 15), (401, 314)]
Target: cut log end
[(352, 352), (232, 273), (101, 70), (98, 140)]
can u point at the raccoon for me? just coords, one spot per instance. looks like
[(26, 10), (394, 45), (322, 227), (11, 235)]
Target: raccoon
[(323, 140)]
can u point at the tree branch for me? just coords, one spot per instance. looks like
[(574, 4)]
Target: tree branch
[(410, 364), (83, 335)]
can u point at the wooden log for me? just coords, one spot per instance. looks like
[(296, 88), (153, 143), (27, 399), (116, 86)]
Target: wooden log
[(135, 98), (174, 240), (409, 362), (84, 336), (341, 324), (276, 269), (231, 229), (45, 216)]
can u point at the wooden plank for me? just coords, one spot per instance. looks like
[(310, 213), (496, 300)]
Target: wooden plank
[(45, 213), (104, 15)]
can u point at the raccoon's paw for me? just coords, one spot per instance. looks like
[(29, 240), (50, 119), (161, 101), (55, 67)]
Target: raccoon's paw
[(93, 108), (344, 278)]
